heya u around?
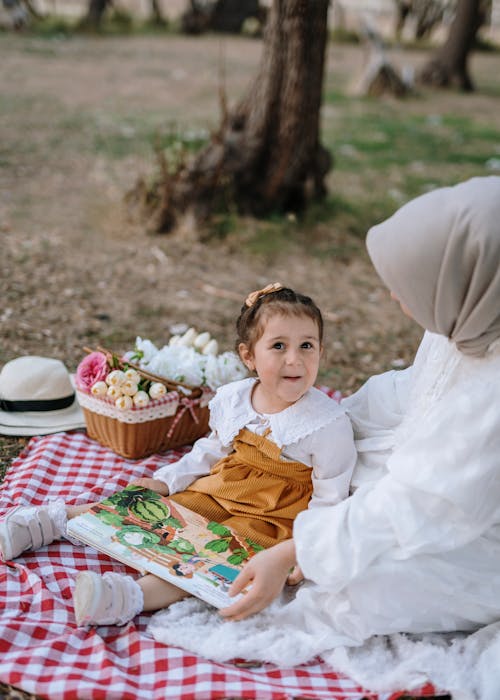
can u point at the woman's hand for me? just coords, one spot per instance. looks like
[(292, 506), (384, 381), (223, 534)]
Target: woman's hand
[(267, 573), (153, 484)]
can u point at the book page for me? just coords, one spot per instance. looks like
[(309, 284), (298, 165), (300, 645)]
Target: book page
[(152, 533)]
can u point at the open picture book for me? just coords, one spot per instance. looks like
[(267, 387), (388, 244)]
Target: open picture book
[(153, 533)]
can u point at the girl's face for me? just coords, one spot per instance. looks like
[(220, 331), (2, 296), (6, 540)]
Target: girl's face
[(286, 358)]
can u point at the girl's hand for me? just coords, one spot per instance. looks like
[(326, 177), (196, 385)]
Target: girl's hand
[(267, 572), (153, 484)]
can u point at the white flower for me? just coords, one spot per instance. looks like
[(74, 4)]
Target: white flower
[(124, 402), (115, 378), (174, 340), (178, 328), (188, 338), (186, 367), (114, 392), (230, 367), (201, 340), (212, 373), (156, 390), (133, 375), (186, 364), (141, 399), (129, 388), (211, 348), (179, 363), (163, 363), (99, 389), (146, 348), (222, 369)]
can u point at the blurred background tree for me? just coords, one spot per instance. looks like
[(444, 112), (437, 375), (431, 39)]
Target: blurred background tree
[(95, 12), (427, 15), (221, 15), (449, 65), (266, 155)]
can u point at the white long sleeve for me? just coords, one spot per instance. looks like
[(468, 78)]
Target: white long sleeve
[(380, 404), (198, 462), (375, 411), (331, 453)]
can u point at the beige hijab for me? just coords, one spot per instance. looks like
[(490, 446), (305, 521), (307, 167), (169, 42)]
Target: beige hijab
[(440, 255)]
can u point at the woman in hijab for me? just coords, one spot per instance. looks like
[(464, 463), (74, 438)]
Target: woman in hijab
[(416, 547)]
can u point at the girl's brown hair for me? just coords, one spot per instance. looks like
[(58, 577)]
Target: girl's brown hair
[(285, 302)]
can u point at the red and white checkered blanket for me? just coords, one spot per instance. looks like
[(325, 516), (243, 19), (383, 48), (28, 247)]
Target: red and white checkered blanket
[(43, 652)]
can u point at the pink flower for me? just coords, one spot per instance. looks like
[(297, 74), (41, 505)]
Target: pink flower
[(93, 368)]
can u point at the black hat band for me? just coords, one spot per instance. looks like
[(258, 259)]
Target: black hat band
[(37, 405)]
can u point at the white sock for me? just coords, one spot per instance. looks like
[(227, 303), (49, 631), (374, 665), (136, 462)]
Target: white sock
[(121, 600), (134, 597), (57, 514)]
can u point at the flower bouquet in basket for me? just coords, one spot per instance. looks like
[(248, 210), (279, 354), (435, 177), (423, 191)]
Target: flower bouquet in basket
[(152, 399)]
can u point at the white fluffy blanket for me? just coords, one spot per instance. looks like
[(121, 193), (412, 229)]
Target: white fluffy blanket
[(466, 666)]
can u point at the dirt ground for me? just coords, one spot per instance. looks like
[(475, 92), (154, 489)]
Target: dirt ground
[(75, 272), (73, 269)]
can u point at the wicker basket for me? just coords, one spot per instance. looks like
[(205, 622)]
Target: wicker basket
[(173, 421)]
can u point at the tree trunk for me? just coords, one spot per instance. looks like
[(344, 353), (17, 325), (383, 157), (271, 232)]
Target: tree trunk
[(34, 12), (403, 9), (95, 12), (156, 14), (449, 65), (267, 154), (431, 14)]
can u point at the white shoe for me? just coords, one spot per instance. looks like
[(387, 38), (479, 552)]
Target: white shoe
[(26, 528), (111, 599)]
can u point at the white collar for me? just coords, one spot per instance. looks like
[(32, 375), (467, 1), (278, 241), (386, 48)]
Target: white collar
[(231, 409)]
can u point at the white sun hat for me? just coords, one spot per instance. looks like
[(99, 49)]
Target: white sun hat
[(37, 397)]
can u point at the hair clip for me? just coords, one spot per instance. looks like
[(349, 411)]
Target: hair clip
[(253, 297)]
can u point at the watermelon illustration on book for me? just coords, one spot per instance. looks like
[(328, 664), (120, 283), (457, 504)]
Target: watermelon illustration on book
[(152, 533)]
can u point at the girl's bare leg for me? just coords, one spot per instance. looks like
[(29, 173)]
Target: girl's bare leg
[(158, 593), (73, 511)]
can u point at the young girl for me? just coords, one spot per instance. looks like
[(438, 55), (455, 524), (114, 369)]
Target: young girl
[(277, 447)]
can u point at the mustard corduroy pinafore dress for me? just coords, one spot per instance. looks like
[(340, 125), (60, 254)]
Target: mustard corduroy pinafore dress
[(252, 490)]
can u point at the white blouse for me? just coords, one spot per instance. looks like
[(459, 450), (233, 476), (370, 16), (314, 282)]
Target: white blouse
[(314, 431)]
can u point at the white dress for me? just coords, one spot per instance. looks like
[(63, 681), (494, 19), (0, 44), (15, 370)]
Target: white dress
[(314, 431), (415, 548)]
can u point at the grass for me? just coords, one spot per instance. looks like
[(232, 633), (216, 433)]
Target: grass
[(115, 23), (9, 449), (378, 138), (385, 141), (118, 138)]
